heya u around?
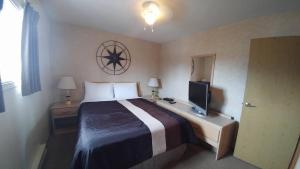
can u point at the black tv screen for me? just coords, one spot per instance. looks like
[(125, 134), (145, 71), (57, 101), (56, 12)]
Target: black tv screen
[(198, 95)]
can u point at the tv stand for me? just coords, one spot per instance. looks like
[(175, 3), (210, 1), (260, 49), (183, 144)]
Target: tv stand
[(213, 129)]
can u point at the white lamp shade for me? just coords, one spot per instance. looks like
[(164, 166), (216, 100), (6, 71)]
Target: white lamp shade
[(153, 82), (66, 82)]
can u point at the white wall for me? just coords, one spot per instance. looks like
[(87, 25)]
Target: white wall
[(74, 53), (231, 45), (24, 125)]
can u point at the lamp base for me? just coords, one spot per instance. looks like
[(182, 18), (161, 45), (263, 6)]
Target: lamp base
[(154, 93), (68, 99), (68, 102)]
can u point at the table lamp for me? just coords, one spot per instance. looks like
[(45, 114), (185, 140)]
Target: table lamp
[(67, 84), (154, 83)]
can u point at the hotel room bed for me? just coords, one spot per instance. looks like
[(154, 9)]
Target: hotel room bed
[(121, 134)]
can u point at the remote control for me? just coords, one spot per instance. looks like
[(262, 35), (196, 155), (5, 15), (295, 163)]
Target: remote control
[(168, 99)]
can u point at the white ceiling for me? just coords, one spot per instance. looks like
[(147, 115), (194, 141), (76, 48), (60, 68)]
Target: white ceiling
[(179, 17)]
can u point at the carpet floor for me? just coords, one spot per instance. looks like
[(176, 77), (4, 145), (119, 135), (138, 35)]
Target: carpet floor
[(60, 149)]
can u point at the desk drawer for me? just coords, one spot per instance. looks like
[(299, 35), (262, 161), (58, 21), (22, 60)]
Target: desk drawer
[(206, 131), (65, 122), (64, 111)]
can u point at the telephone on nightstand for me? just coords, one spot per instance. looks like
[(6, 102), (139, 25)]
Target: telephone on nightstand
[(170, 100)]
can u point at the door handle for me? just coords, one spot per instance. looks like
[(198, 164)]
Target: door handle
[(247, 104)]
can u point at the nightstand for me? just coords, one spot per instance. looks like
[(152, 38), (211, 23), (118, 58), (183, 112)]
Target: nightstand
[(64, 117)]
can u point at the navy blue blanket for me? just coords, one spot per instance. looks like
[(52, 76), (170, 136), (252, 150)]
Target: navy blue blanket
[(112, 137)]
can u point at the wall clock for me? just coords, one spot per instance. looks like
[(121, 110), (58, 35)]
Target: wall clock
[(113, 57)]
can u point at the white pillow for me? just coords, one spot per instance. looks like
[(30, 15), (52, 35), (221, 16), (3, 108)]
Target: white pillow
[(98, 92), (125, 91)]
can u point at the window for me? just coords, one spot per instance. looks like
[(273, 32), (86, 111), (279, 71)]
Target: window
[(10, 43)]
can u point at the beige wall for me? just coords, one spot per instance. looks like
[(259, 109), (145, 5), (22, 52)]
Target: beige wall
[(298, 163), (208, 67), (24, 125), (74, 53), (198, 73), (231, 44), (202, 68)]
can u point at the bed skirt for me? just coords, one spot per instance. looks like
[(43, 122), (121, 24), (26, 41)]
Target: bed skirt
[(162, 160)]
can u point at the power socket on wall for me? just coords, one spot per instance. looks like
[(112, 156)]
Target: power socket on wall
[(226, 116)]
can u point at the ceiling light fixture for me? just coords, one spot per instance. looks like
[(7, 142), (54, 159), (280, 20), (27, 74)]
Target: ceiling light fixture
[(150, 13)]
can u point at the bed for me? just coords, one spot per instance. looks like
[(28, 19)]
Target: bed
[(119, 134)]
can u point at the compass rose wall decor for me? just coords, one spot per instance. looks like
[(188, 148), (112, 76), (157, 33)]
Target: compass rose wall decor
[(113, 57)]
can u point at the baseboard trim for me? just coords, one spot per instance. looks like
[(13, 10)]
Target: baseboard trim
[(39, 157)]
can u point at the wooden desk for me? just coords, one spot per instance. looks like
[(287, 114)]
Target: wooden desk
[(213, 129)]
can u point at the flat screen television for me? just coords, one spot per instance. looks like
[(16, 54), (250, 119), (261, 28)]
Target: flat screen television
[(199, 96)]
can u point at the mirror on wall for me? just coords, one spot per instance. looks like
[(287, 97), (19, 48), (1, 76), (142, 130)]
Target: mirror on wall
[(203, 68)]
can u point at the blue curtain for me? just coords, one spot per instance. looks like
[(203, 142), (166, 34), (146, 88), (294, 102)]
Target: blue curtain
[(30, 53), (2, 109), (1, 4)]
